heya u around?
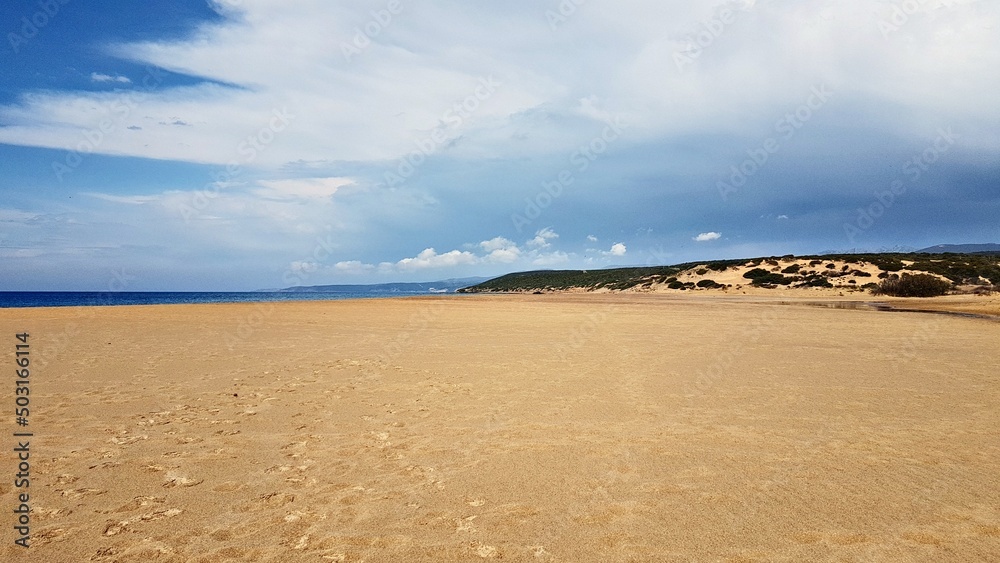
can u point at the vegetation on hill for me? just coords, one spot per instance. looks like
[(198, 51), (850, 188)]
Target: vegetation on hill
[(556, 280), (960, 269), (913, 285)]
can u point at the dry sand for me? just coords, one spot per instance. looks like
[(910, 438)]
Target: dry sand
[(523, 428)]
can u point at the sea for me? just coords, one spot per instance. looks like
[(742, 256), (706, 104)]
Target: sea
[(10, 299)]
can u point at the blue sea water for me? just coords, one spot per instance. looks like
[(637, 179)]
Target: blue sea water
[(85, 298)]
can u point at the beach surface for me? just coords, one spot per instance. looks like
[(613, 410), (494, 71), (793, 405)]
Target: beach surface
[(541, 428)]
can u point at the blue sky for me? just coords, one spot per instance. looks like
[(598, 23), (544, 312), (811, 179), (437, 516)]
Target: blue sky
[(244, 144)]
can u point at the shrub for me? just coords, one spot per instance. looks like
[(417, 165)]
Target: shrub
[(913, 285), (888, 264), (708, 284), (675, 285), (772, 262), (815, 281), (756, 273), (815, 262), (701, 271), (830, 266), (861, 274), (793, 269), (769, 278)]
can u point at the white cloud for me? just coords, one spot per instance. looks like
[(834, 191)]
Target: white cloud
[(542, 238), (302, 188), (501, 250), (591, 238), (351, 108), (98, 77), (498, 243), (130, 199), (551, 259), (303, 267), (705, 237), (353, 267), (15, 216), (617, 249), (504, 255), (429, 258)]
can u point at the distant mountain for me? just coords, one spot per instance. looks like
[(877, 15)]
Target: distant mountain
[(962, 249), (442, 286), (882, 250)]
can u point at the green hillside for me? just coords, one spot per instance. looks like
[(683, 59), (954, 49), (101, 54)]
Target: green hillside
[(960, 269)]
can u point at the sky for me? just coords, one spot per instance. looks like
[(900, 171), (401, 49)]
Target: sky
[(229, 145)]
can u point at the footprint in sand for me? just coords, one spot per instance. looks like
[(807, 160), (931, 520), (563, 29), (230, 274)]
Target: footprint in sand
[(295, 477), (80, 493), (229, 487), (137, 503), (43, 513), (115, 528), (268, 502), (180, 480), (48, 535), (538, 551), (465, 524), (188, 440), (126, 440), (486, 551)]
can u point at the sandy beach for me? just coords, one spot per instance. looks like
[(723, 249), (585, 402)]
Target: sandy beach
[(541, 428)]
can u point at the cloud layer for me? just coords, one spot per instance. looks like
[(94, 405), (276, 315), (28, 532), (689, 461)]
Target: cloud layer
[(362, 141)]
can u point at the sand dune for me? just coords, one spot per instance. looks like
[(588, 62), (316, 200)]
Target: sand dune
[(523, 428)]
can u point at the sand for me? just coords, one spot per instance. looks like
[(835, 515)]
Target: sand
[(518, 428)]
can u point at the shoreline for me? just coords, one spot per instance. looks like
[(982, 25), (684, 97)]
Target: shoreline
[(961, 305)]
